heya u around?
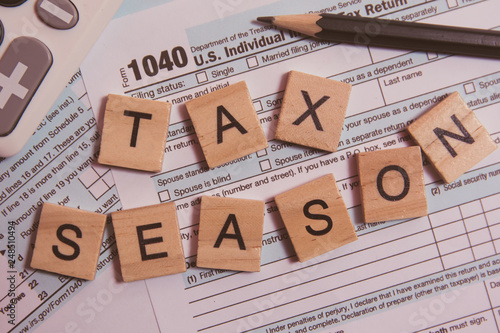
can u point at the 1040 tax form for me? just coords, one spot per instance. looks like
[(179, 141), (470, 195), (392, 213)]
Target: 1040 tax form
[(436, 273)]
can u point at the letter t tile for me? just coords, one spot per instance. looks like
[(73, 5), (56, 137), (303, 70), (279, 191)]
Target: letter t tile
[(134, 133)]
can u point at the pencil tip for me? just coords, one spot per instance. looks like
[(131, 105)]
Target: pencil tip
[(265, 19)]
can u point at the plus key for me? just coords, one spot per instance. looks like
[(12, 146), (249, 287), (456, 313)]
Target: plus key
[(11, 86), (22, 68)]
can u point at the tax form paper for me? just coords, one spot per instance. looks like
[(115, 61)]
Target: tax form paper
[(436, 273)]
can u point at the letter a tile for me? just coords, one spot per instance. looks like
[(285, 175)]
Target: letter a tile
[(134, 133), (452, 137), (226, 124), (392, 184), (149, 242), (313, 111), (230, 234), (316, 218), (68, 241)]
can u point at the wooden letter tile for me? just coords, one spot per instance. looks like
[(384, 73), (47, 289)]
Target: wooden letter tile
[(134, 133), (230, 235), (226, 124), (452, 137), (68, 241), (313, 111), (149, 242), (316, 217), (392, 184)]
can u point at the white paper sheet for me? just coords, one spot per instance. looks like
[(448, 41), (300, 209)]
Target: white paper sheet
[(437, 273)]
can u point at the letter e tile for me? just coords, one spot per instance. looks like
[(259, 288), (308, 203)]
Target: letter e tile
[(149, 242)]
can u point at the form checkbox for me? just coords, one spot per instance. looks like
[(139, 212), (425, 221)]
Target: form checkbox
[(495, 231), (108, 179), (469, 88), (483, 250), (89, 177), (265, 165), (453, 244), (258, 106), (432, 55), (101, 170), (475, 222), (252, 62), (262, 153), (201, 77), (457, 258), (452, 3), (471, 209), (164, 195), (98, 189), (479, 237)]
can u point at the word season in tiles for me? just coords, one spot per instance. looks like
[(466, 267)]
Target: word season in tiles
[(231, 229)]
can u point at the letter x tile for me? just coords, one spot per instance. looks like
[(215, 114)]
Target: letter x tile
[(134, 133), (313, 111)]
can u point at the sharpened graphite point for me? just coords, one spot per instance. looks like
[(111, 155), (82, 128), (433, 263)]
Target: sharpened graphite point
[(265, 19)]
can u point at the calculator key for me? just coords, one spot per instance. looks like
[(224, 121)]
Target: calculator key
[(22, 68), (58, 14), (11, 3)]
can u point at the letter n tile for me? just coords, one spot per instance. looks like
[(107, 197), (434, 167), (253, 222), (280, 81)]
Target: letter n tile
[(452, 137)]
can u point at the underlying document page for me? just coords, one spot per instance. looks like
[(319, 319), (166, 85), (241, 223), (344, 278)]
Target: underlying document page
[(56, 166), (436, 273)]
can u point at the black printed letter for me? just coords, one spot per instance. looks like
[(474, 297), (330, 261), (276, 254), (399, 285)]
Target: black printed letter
[(233, 123), (67, 241), (465, 138), (311, 216), (137, 119), (143, 242), (380, 185), (311, 111), (237, 234)]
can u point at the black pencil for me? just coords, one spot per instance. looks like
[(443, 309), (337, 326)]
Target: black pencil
[(392, 33)]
